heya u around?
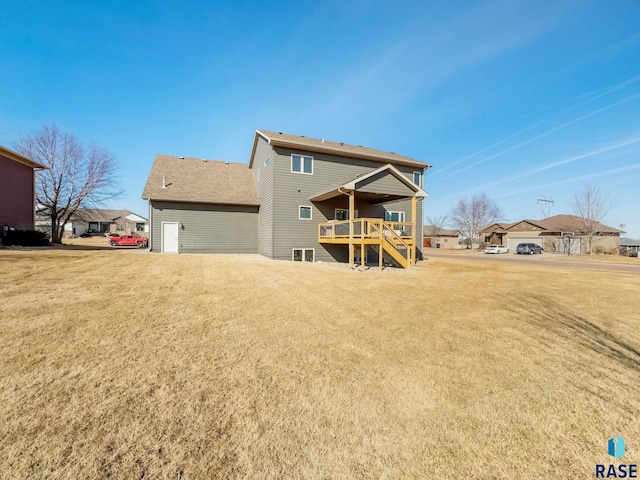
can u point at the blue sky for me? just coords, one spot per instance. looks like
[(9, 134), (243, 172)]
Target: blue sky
[(517, 99)]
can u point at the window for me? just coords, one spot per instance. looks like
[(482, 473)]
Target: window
[(303, 255), (343, 213), (302, 164), (267, 161), (394, 216), (304, 212), (417, 178), (139, 227), (93, 226)]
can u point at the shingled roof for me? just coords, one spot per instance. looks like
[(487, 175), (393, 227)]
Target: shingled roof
[(195, 180), (568, 223), (279, 139)]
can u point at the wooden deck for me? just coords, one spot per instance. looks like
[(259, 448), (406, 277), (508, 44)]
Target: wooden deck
[(396, 239)]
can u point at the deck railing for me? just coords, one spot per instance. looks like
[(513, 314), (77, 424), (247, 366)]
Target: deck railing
[(395, 238), (365, 227)]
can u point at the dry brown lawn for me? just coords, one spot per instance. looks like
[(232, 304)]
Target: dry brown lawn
[(122, 364)]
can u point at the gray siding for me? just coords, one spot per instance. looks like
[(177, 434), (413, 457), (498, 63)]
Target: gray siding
[(294, 189), (265, 193), (207, 228)]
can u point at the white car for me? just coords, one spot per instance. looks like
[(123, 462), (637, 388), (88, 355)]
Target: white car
[(496, 249)]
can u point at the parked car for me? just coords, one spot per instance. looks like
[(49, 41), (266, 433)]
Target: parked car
[(496, 249), (529, 248), (128, 241)]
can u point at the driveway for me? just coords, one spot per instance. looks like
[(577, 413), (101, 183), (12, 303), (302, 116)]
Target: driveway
[(546, 259)]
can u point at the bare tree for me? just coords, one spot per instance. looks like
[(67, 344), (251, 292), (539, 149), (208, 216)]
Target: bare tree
[(437, 225), (75, 177), (471, 217), (592, 208)]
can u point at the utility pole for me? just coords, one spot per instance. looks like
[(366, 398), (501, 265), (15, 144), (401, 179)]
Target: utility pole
[(545, 206)]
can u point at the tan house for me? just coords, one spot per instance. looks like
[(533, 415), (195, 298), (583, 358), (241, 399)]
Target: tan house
[(560, 233), (441, 238), (298, 199)]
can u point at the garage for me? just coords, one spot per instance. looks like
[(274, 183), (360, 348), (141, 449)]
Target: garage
[(513, 243), (570, 245)]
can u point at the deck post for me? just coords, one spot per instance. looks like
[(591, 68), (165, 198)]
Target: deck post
[(415, 229), (351, 247)]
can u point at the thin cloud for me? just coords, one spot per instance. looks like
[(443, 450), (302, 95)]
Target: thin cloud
[(628, 168), (625, 143), (542, 135), (408, 69), (592, 97)]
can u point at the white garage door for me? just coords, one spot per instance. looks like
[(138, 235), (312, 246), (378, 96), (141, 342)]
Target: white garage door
[(513, 243), (571, 245)]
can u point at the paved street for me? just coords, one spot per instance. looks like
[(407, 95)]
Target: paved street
[(546, 259)]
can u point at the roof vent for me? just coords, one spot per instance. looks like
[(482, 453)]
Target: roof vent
[(204, 160), (226, 163), (322, 140), (164, 182), (342, 144), (181, 158)]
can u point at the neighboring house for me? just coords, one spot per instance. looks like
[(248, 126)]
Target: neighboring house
[(293, 201), (17, 190), (495, 234), (629, 247), (441, 237), (560, 233), (97, 221)]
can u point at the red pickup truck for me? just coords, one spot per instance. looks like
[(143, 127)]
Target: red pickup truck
[(128, 241)]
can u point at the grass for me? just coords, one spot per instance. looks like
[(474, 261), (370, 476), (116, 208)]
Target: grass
[(121, 364)]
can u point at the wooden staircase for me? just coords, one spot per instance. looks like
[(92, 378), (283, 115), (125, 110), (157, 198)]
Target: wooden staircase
[(394, 239)]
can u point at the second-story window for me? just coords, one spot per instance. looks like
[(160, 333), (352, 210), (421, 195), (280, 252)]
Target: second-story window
[(417, 178), (302, 164), (304, 212)]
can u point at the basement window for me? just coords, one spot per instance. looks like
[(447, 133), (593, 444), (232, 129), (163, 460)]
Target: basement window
[(302, 164), (303, 255)]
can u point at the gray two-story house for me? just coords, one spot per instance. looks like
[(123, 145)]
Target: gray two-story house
[(299, 198)]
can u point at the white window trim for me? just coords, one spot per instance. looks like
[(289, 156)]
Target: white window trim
[(301, 163), (310, 212), (419, 177), (335, 213), (303, 250), (401, 216)]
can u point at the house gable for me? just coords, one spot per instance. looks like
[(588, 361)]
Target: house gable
[(384, 183), (524, 226)]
